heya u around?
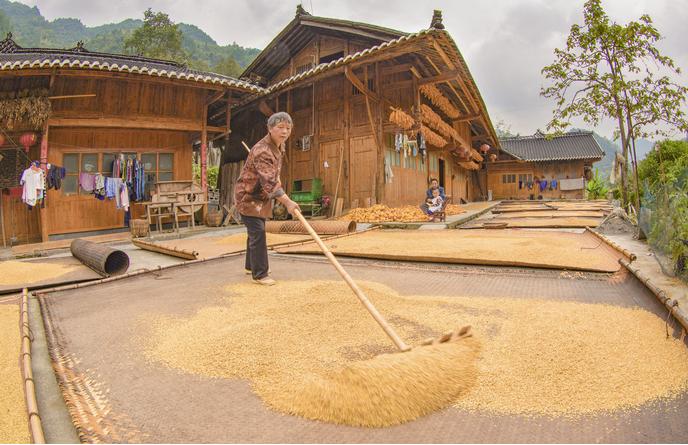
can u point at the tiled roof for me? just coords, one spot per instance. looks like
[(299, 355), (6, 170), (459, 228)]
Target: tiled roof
[(14, 57), (538, 147)]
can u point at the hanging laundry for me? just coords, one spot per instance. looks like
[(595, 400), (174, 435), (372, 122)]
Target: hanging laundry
[(554, 184), (122, 197), (99, 186), (389, 174), (87, 181), (55, 176), (543, 185), (33, 184), (520, 185)]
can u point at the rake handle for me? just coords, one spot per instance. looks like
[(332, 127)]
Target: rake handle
[(354, 287)]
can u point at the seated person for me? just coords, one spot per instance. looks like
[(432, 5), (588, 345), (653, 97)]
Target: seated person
[(434, 205), (434, 185)]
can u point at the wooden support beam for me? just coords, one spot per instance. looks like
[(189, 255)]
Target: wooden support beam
[(151, 123), (356, 82), (443, 55), (447, 75), (415, 72), (265, 108), (71, 96), (466, 118), (221, 135), (214, 98)]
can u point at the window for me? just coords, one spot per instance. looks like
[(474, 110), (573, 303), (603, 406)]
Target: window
[(509, 179), (109, 159), (525, 178), (331, 57), (158, 167), (74, 164), (395, 157), (303, 68)]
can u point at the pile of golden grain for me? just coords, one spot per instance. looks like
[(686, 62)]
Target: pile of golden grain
[(13, 419), (296, 342), (382, 213), (26, 272)]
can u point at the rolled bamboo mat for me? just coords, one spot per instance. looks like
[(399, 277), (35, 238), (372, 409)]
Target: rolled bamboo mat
[(320, 227)]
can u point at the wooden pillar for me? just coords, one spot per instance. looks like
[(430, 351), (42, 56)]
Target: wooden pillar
[(204, 159), (43, 212)]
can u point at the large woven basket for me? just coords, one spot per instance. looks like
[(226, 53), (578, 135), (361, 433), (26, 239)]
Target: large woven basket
[(139, 228), (213, 219)]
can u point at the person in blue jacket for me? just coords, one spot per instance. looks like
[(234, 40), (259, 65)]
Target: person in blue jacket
[(434, 185)]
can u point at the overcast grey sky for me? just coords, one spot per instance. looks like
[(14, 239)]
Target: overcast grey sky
[(506, 43)]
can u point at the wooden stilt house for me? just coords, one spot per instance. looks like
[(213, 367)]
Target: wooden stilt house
[(541, 167), (96, 107), (353, 90)]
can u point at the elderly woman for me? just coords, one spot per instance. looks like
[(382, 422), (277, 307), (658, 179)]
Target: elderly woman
[(258, 184)]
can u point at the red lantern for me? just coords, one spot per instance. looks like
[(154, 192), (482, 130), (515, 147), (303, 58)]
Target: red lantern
[(493, 157), (27, 140), (484, 148)]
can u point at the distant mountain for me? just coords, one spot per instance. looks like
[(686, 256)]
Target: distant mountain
[(642, 148), (30, 29)]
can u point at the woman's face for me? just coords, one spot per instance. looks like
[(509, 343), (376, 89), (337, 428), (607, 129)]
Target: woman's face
[(280, 132)]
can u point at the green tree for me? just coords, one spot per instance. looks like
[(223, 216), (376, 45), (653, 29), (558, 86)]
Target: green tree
[(158, 38), (597, 188), (5, 25), (503, 129), (228, 66), (608, 70)]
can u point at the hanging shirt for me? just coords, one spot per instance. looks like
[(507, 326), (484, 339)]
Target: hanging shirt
[(33, 186), (87, 181), (123, 197)]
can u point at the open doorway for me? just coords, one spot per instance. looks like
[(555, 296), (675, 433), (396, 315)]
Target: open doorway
[(441, 169)]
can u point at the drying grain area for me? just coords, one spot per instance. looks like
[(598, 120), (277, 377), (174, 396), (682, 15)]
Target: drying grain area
[(554, 356), (381, 213), (539, 214), (26, 272), (574, 251), (212, 246), (13, 419)]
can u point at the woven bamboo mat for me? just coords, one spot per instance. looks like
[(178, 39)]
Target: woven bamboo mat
[(74, 271), (555, 214), (540, 249), (215, 246), (539, 223)]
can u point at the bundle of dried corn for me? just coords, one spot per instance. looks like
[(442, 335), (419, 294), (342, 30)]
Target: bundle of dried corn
[(382, 213), (469, 165), (433, 138), (401, 119), (441, 102), (434, 120)]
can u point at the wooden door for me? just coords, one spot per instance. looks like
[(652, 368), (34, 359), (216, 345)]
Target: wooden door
[(330, 153), (362, 169), (20, 224)]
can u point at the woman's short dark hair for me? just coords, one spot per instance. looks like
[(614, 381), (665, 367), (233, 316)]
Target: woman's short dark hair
[(433, 179)]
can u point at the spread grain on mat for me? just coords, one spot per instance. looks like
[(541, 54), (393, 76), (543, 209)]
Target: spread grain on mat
[(382, 213), (26, 272), (538, 357), (478, 246), (13, 419), (306, 346)]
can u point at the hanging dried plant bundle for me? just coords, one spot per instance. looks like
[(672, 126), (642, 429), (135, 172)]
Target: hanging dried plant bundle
[(31, 107), (470, 165), (434, 121), (441, 102), (401, 119), (433, 138)]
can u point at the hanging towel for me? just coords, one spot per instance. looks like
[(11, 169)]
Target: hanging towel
[(33, 186)]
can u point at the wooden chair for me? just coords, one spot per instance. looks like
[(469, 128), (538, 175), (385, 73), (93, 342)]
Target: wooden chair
[(441, 214), (160, 210)]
